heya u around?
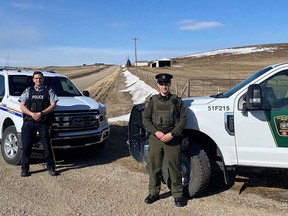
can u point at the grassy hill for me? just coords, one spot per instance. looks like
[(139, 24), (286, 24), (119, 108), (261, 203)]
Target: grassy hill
[(215, 73)]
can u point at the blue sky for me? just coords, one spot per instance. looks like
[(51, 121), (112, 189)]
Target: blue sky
[(76, 32)]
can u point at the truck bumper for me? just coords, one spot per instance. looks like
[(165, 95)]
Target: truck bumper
[(80, 141), (76, 141)]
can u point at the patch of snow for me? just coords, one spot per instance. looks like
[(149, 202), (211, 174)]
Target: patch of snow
[(120, 118), (243, 50), (139, 91), (137, 88)]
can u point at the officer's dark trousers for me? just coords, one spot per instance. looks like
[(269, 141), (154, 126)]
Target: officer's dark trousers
[(170, 153), (29, 131)]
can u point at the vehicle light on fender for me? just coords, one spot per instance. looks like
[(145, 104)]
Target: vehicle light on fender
[(229, 123)]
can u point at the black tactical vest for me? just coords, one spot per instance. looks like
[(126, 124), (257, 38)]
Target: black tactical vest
[(165, 113), (38, 101)]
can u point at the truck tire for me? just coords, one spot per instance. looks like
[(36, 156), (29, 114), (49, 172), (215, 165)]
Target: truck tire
[(10, 150), (195, 169)]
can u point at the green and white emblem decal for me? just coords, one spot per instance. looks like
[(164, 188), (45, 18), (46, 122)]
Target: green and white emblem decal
[(279, 125)]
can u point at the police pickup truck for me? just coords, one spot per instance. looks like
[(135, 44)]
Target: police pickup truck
[(77, 121), (245, 127)]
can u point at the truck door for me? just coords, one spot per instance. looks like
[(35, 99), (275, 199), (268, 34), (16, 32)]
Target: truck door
[(262, 135), (137, 135)]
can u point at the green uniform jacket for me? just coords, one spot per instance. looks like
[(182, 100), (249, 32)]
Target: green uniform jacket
[(148, 112)]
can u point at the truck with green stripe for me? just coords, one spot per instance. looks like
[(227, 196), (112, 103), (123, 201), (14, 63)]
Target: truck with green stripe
[(245, 127)]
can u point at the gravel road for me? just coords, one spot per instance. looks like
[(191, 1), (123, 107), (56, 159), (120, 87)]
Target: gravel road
[(109, 182), (85, 82)]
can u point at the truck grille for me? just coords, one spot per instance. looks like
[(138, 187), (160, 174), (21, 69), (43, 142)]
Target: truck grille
[(76, 120)]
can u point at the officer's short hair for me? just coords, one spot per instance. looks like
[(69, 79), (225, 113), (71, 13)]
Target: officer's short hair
[(37, 72)]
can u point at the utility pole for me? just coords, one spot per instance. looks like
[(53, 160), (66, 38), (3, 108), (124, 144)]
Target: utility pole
[(7, 60), (135, 50)]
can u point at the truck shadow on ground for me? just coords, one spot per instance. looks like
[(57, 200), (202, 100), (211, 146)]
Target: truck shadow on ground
[(115, 148), (270, 183)]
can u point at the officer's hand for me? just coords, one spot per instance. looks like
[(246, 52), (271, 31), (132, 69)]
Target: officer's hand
[(36, 116), (159, 134), (167, 137)]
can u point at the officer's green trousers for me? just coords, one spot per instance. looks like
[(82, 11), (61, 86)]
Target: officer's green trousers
[(170, 153)]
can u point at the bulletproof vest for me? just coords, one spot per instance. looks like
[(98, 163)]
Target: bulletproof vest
[(165, 113), (38, 101)]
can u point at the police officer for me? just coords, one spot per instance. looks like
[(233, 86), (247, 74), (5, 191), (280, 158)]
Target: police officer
[(36, 103), (164, 117)]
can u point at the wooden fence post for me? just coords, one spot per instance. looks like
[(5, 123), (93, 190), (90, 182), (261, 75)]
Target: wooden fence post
[(188, 88)]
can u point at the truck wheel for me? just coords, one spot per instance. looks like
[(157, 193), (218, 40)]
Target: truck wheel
[(195, 169), (9, 147)]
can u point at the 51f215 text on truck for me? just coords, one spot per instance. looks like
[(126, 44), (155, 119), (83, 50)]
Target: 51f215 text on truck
[(245, 127), (78, 120)]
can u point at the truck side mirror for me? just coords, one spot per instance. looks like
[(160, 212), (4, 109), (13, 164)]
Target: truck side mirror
[(86, 93), (254, 97)]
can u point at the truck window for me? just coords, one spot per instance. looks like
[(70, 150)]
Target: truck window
[(2, 88), (275, 91), (245, 82), (17, 84), (61, 85)]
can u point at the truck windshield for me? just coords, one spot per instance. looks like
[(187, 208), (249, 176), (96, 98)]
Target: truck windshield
[(244, 82), (61, 85)]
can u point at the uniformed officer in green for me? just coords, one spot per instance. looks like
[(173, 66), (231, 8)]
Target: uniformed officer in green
[(164, 117)]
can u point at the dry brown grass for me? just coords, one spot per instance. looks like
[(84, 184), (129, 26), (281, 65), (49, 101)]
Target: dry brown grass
[(211, 74), (77, 71), (101, 89)]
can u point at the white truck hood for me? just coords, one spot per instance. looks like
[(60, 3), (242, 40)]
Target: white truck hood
[(77, 103), (198, 101)]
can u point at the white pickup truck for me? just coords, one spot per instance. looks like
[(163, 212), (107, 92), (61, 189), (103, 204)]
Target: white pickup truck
[(78, 119), (245, 127)]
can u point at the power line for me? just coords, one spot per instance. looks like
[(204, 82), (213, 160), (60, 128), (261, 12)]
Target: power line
[(148, 9), (139, 15), (151, 16), (145, 18)]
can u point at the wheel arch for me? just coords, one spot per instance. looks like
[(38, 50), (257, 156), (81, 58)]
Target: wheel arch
[(7, 123), (211, 149), (207, 144)]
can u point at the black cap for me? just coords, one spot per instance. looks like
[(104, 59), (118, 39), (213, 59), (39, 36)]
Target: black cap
[(163, 78)]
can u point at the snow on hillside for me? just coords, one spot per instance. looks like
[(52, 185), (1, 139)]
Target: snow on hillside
[(241, 50)]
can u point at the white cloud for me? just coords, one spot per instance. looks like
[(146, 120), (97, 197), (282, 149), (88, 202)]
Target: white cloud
[(26, 6), (196, 25), (119, 25)]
